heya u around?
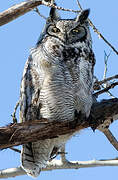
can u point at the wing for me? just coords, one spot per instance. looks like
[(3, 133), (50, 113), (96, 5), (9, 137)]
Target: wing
[(29, 93), (30, 110)]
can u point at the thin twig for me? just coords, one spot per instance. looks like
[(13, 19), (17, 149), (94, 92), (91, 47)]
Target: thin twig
[(14, 113), (22, 8), (111, 86), (79, 5), (15, 149), (107, 79), (37, 11), (101, 36), (58, 7), (108, 92), (106, 58)]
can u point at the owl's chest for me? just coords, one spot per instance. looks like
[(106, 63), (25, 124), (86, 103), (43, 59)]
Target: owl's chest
[(72, 63), (63, 73), (56, 96)]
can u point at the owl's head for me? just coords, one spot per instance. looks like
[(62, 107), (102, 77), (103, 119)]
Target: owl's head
[(67, 31)]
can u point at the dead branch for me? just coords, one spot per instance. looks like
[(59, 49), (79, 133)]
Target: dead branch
[(14, 149), (102, 37), (58, 164), (58, 7), (110, 137), (111, 86), (14, 113), (106, 80), (21, 133), (17, 10), (106, 58), (37, 11), (24, 7)]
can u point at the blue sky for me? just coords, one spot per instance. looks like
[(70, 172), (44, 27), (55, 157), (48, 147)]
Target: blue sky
[(16, 39)]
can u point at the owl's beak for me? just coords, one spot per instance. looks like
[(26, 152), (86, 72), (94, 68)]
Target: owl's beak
[(64, 37)]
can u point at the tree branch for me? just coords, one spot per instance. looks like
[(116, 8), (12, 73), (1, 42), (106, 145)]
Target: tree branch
[(58, 164), (30, 131), (111, 86), (14, 113), (24, 7), (14, 149), (102, 37), (106, 80), (110, 137), (18, 10)]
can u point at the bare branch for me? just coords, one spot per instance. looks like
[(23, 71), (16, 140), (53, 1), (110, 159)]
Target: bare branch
[(12, 172), (58, 7), (18, 10), (37, 11), (98, 32), (110, 137), (109, 93), (30, 131), (107, 79), (14, 113), (14, 149), (106, 58), (111, 86), (58, 164), (101, 36), (24, 7)]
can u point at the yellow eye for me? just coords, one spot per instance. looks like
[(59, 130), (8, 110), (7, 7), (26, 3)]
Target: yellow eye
[(75, 30), (55, 30)]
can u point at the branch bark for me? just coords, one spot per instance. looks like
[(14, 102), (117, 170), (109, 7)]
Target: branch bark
[(58, 164), (106, 80), (111, 86), (18, 10), (24, 7), (102, 113)]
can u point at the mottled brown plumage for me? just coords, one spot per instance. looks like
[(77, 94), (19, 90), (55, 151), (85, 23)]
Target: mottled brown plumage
[(57, 83)]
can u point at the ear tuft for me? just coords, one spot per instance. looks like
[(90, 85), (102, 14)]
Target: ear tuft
[(54, 15), (82, 17)]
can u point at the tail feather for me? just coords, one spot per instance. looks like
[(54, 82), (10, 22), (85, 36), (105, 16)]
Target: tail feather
[(34, 156), (28, 162)]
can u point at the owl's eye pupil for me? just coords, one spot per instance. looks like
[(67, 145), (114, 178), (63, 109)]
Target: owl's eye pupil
[(55, 30)]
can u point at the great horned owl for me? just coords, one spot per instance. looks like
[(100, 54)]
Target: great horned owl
[(57, 82)]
